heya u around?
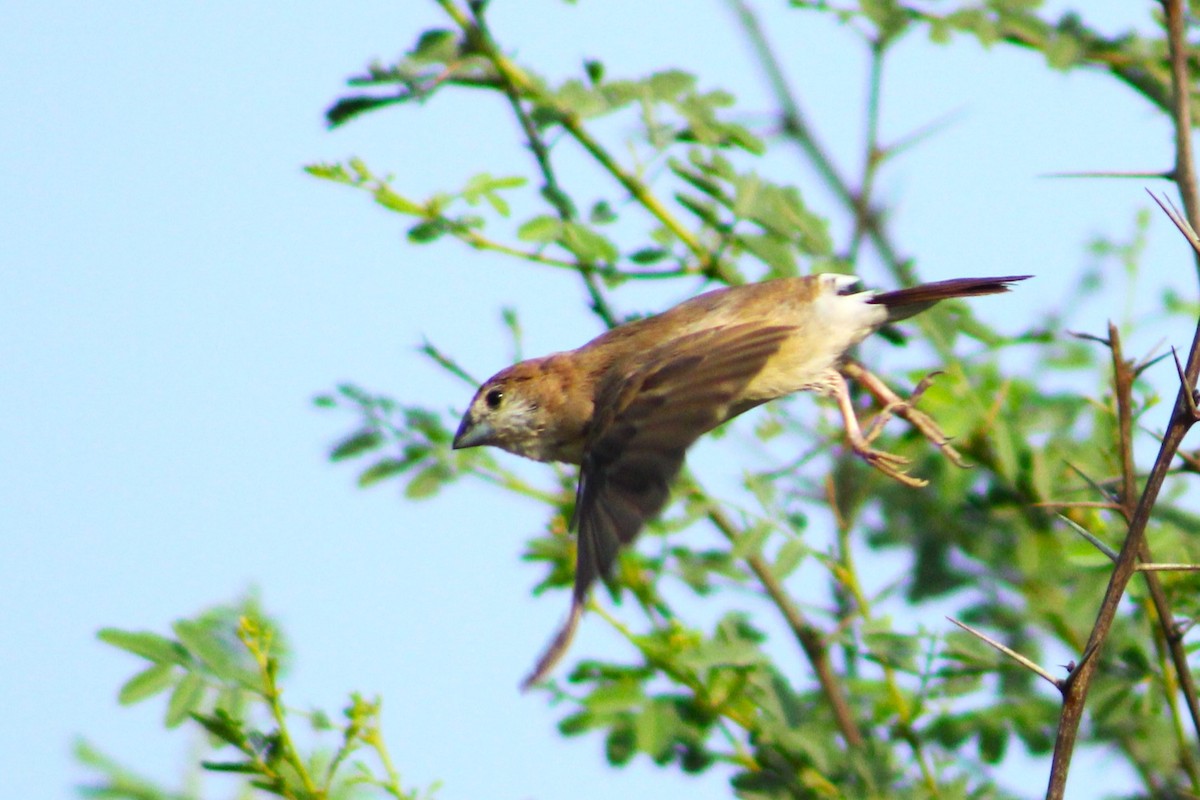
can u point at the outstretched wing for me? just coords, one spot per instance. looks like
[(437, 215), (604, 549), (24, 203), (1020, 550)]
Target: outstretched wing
[(645, 420)]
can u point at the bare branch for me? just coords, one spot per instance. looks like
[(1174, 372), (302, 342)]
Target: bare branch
[(810, 638)]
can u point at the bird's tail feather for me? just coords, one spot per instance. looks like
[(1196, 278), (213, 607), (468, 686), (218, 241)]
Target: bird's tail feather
[(557, 647), (904, 303)]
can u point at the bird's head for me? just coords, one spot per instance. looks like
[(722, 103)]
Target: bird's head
[(519, 410)]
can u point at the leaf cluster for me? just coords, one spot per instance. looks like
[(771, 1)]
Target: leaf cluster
[(223, 668)]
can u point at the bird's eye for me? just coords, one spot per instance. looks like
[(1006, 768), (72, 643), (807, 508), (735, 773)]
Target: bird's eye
[(494, 397)]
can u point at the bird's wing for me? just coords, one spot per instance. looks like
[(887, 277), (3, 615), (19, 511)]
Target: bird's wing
[(645, 420)]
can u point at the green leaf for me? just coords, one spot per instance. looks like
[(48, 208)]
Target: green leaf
[(587, 245), (705, 211), (347, 108), (382, 470), (540, 229), (669, 84), (656, 728), (789, 557), (949, 730), (737, 653), (147, 683), (215, 644), (993, 739), (436, 45), (617, 696), (773, 251), (485, 186), (329, 172), (427, 231), (429, 425), (246, 767), (187, 697), (486, 182), (621, 744), (356, 444), (894, 649), (1063, 51), (602, 213), (119, 783), (751, 541), (158, 649), (428, 481), (580, 99), (224, 728), (389, 199), (577, 723), (649, 255)]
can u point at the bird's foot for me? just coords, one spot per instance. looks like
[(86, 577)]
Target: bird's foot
[(894, 405), (889, 464)]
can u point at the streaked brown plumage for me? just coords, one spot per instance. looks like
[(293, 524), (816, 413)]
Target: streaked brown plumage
[(627, 405)]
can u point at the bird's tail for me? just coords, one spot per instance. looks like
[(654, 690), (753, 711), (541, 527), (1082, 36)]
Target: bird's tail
[(904, 303), (557, 647)]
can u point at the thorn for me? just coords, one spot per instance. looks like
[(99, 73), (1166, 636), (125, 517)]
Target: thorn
[(1077, 504), (1088, 653), (1107, 174), (1110, 496), (1013, 654), (1191, 461), (1090, 337), (1190, 396), (1096, 543), (1181, 223), (1150, 360)]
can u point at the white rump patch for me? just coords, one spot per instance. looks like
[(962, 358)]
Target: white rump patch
[(847, 317)]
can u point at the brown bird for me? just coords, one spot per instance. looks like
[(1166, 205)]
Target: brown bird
[(627, 405)]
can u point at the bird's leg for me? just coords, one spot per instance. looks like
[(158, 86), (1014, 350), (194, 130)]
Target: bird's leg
[(888, 463), (892, 403)]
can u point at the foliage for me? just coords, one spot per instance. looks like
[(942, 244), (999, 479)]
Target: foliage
[(222, 669), (887, 707)]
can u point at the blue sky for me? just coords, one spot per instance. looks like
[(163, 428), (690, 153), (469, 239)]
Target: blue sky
[(174, 290)]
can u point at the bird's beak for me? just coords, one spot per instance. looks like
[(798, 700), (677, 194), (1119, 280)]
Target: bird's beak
[(472, 433)]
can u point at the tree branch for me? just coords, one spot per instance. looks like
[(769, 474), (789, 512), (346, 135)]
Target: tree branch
[(809, 636)]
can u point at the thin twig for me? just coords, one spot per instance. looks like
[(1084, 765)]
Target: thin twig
[(512, 83)]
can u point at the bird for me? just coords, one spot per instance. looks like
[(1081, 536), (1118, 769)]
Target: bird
[(628, 404)]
